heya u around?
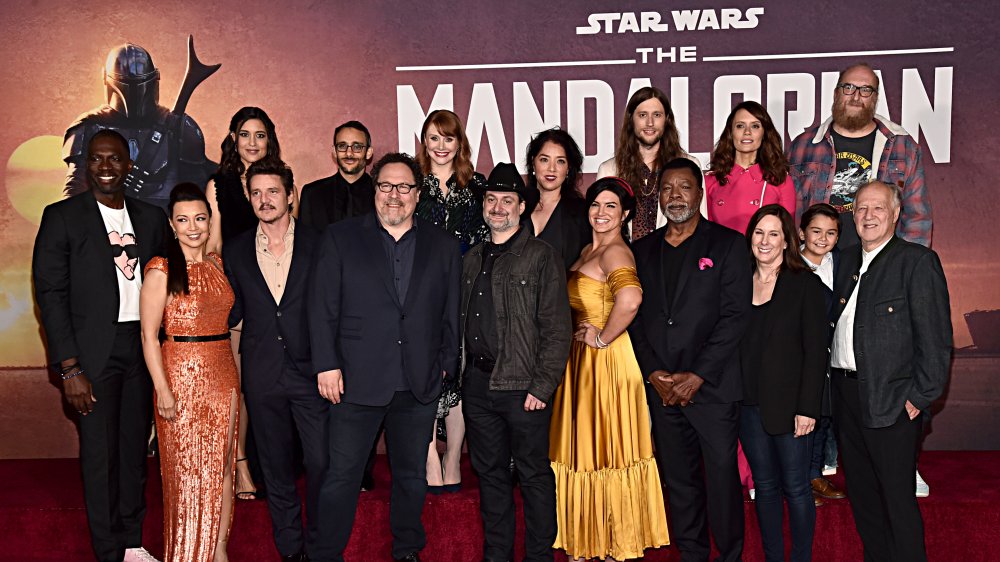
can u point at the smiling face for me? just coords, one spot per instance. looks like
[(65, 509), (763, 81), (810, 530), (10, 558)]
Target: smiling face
[(680, 196), (441, 148), (502, 211), (190, 222), (649, 120), (108, 165), (747, 132), (819, 237), (268, 197), (351, 163), (875, 215), (395, 208), (551, 167), (606, 213), (251, 141), (767, 242)]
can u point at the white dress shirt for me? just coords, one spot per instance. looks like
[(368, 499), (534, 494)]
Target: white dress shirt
[(842, 352), (824, 269)]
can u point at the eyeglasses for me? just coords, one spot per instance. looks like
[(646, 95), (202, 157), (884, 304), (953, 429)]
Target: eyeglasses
[(402, 188), (131, 251), (355, 147), (849, 89)]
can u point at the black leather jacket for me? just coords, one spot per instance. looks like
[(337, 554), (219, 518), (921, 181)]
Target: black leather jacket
[(534, 326)]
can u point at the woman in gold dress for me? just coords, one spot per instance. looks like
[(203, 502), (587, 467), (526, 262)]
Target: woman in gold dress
[(608, 497), (197, 388)]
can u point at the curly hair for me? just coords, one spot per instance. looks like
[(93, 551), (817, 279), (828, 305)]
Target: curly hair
[(448, 124), (574, 160), (772, 160), (627, 159), (231, 163)]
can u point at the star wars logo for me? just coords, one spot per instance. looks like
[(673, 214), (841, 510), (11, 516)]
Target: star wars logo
[(682, 20)]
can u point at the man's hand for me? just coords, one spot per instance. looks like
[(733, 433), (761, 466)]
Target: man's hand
[(79, 394), (685, 385), (331, 385), (911, 410), (804, 425), (531, 404), (662, 384)]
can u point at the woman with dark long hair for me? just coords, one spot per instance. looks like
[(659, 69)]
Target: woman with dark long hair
[(609, 503), (560, 217), (749, 169), (783, 358), (197, 388), (451, 197)]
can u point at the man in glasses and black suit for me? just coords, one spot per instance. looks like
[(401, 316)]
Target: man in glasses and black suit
[(349, 192)]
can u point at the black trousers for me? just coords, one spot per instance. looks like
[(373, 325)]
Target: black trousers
[(696, 453), (352, 428), (497, 427), (113, 447), (276, 416), (879, 469)]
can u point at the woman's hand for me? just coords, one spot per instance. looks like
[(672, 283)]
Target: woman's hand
[(166, 406), (804, 425), (587, 333)]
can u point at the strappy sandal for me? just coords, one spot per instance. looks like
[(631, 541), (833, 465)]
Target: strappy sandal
[(246, 495)]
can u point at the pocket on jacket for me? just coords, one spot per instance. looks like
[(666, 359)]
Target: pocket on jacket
[(522, 292), (891, 307)]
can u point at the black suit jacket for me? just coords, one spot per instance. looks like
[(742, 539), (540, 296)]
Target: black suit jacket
[(701, 331), (792, 370), (274, 334), (356, 316), (76, 284), (902, 328), (331, 199)]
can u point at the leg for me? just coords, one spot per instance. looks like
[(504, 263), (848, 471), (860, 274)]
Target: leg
[(794, 456), (310, 413), (433, 468), (245, 488), (530, 446), (135, 418), (452, 460), (408, 428), (368, 478), (489, 452), (99, 461), (761, 452), (718, 427), (226, 512)]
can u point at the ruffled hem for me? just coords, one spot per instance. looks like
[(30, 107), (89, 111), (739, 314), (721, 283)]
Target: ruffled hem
[(615, 512)]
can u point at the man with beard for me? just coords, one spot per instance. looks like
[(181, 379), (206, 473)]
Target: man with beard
[(349, 192), (268, 268), (516, 330), (87, 269), (383, 322), (647, 140), (854, 146), (697, 287)]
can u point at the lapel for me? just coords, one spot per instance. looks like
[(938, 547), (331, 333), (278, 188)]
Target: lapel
[(846, 279), (372, 245), (300, 261), (698, 249), (776, 304), (249, 254), (95, 229), (421, 256)]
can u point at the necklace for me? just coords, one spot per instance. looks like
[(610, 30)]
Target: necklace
[(760, 277), (645, 184)]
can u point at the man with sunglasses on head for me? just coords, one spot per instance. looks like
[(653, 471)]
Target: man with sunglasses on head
[(349, 192), (853, 147), (384, 331)]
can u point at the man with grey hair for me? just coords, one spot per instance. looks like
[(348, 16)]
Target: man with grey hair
[(889, 294), (831, 161)]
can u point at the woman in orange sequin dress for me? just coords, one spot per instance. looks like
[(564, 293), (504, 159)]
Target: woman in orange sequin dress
[(196, 384), (609, 503)]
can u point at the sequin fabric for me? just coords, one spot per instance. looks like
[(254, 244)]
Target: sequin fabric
[(195, 444)]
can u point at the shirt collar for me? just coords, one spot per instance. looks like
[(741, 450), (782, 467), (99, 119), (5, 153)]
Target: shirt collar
[(288, 233), (869, 256)]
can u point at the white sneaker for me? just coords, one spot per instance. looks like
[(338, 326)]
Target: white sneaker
[(138, 555), (923, 490), (829, 470)]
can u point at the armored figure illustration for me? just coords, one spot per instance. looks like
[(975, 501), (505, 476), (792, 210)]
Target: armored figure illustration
[(166, 145)]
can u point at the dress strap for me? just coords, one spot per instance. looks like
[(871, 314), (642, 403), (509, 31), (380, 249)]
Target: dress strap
[(623, 277)]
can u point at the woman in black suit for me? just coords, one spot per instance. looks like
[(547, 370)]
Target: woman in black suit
[(783, 359), (560, 217)]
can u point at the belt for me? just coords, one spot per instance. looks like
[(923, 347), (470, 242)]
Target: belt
[(483, 363), (843, 373), (195, 339)]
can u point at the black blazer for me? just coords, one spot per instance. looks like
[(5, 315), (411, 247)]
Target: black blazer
[(711, 308), (568, 230), (76, 287), (792, 370), (902, 328), (355, 314), (331, 199), (274, 334)]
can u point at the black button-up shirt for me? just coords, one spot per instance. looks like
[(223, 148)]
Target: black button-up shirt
[(400, 256), (481, 323)]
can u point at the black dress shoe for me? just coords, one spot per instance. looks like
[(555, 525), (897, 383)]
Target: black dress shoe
[(411, 557), (300, 557)]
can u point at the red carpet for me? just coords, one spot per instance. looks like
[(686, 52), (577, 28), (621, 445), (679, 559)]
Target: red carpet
[(42, 517)]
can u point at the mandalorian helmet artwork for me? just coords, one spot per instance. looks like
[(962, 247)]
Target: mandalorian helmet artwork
[(132, 82)]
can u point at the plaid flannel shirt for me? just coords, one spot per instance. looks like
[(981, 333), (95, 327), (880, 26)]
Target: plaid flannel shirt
[(813, 164)]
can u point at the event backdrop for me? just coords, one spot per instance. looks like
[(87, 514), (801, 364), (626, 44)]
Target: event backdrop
[(510, 69)]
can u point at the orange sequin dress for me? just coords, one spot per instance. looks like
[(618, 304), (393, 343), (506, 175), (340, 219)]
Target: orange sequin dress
[(608, 496), (195, 444)]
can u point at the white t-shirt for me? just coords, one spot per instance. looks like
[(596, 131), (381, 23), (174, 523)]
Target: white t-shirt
[(125, 248)]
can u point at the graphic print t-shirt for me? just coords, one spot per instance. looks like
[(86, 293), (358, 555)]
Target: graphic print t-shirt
[(125, 250), (854, 169)]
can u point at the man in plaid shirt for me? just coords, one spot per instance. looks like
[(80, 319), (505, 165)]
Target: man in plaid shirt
[(830, 162)]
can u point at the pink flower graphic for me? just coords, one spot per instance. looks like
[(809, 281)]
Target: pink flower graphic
[(705, 263)]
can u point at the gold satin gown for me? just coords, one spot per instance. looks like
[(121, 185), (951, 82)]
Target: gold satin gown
[(194, 446), (608, 496)]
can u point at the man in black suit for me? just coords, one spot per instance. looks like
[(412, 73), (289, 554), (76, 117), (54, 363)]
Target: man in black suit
[(696, 302), (889, 360), (349, 192), (87, 269), (384, 327), (269, 269)]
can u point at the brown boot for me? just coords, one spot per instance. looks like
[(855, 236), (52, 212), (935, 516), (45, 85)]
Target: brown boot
[(824, 488)]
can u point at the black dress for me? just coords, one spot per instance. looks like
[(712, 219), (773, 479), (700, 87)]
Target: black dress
[(235, 210)]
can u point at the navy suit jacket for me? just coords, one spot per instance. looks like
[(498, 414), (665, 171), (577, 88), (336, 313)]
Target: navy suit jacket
[(275, 334), (701, 331), (356, 317)]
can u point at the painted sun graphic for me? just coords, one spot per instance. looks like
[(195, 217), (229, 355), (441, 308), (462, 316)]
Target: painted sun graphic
[(35, 176)]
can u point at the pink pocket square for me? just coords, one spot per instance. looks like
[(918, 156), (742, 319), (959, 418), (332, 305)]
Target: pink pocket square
[(705, 263)]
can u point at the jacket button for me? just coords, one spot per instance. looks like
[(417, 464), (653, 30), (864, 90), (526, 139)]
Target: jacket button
[(670, 322), (854, 277), (832, 324), (279, 314), (523, 282), (890, 309), (279, 338), (843, 300), (399, 342)]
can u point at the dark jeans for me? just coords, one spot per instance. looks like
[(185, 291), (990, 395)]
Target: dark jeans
[(880, 472), (497, 427), (352, 428), (824, 449), (780, 465), (113, 447)]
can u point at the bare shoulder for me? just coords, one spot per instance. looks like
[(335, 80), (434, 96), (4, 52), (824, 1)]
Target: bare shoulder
[(616, 256)]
